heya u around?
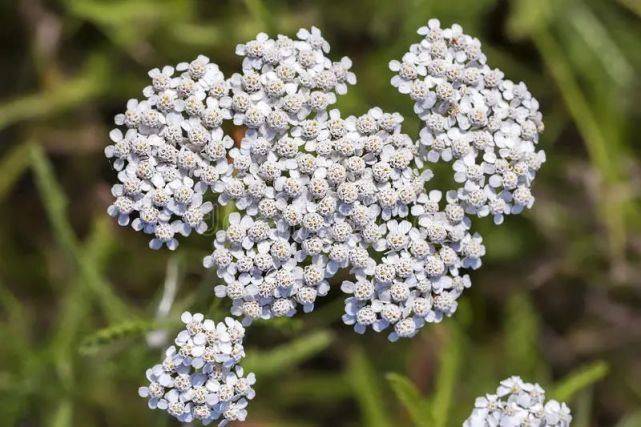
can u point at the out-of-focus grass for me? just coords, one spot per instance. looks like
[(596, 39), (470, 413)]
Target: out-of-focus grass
[(578, 380), (55, 204), (61, 97), (366, 389), (557, 301), (287, 356), (13, 165), (435, 409)]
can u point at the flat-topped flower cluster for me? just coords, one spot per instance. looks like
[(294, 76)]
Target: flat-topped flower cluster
[(517, 403), (317, 193), (486, 125), (199, 379)]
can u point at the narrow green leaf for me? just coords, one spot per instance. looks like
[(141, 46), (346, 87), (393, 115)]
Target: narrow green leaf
[(63, 415), (324, 388), (410, 397), (17, 316), (18, 323), (100, 243), (367, 392), (582, 409), (116, 13), (576, 102), (13, 165), (126, 23), (197, 34), (76, 306), (53, 199), (89, 83), (447, 376), (578, 380), (521, 331), (602, 150), (55, 203), (261, 14), (271, 362), (286, 325), (598, 38)]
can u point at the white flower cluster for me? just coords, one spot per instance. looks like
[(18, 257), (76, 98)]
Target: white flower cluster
[(199, 379), (517, 403), (317, 193), (320, 193), (170, 151), (486, 125)]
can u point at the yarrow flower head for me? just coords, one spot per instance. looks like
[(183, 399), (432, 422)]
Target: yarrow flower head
[(517, 403), (316, 192), (486, 125), (169, 149), (199, 378)]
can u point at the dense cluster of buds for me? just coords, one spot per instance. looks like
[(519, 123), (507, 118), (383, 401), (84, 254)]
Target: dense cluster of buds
[(517, 403), (199, 379)]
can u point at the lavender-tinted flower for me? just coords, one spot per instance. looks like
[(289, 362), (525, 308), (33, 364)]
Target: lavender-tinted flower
[(171, 138), (517, 403), (199, 378), (474, 116), (316, 192)]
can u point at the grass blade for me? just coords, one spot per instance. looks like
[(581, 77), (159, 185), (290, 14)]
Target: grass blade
[(448, 373), (410, 397), (598, 38), (367, 392), (18, 319), (521, 331), (74, 314), (13, 165), (583, 409), (271, 362), (602, 151), (578, 380), (319, 389), (63, 415), (55, 204), (88, 84)]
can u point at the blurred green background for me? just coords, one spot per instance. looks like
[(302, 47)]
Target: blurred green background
[(558, 300)]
